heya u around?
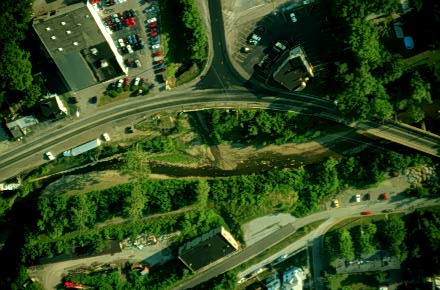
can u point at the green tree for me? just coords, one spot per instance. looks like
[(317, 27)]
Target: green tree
[(393, 234), (81, 211), (367, 239), (202, 192), (135, 163), (135, 202), (364, 41), (15, 68), (346, 245)]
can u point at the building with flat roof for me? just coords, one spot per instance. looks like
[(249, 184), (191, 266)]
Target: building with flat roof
[(207, 248), (21, 127), (78, 43), (292, 70)]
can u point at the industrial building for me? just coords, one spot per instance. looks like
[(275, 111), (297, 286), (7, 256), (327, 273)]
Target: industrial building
[(82, 148), (76, 40), (207, 248)]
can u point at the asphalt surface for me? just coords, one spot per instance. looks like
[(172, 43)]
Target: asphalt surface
[(230, 90), (332, 217)]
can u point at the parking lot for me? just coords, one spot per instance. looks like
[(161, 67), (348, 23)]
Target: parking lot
[(135, 29), (305, 28)]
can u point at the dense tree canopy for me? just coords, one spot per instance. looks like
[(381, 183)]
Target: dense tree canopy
[(15, 66)]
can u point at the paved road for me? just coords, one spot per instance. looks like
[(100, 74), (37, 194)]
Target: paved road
[(404, 204), (230, 90)]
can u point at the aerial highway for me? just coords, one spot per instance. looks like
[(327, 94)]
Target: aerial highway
[(332, 217), (220, 87)]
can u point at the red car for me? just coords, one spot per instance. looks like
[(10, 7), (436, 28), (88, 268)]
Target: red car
[(158, 61), (368, 196), (130, 22), (71, 285), (152, 25), (126, 81), (159, 53), (384, 196), (366, 212), (153, 33)]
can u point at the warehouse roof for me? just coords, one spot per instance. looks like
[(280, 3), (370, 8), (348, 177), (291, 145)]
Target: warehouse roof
[(70, 35), (207, 248)]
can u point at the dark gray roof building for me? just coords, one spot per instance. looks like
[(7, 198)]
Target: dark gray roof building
[(77, 41), (207, 248), (292, 70)]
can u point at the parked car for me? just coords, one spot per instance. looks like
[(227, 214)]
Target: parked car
[(106, 137), (158, 61), (155, 46), (129, 49), (383, 196), (121, 42), (366, 212), (358, 198), (155, 41), (120, 83), (159, 66), (158, 53), (150, 9), (254, 39), (138, 63), (153, 33), (128, 130), (151, 20), (49, 155), (335, 203), (152, 25), (293, 17), (137, 81), (160, 70), (126, 81)]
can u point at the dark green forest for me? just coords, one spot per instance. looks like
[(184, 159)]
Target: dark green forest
[(374, 81)]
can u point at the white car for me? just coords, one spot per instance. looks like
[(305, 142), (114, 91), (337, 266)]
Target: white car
[(156, 46), (106, 137), (137, 81), (120, 83), (109, 31), (358, 198), (49, 155), (293, 17), (121, 42), (255, 39), (151, 20), (138, 63), (129, 49)]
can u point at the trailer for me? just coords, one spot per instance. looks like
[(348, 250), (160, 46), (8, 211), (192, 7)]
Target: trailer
[(82, 148)]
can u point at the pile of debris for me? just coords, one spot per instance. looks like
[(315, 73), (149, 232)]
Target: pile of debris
[(422, 174), (140, 242)]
